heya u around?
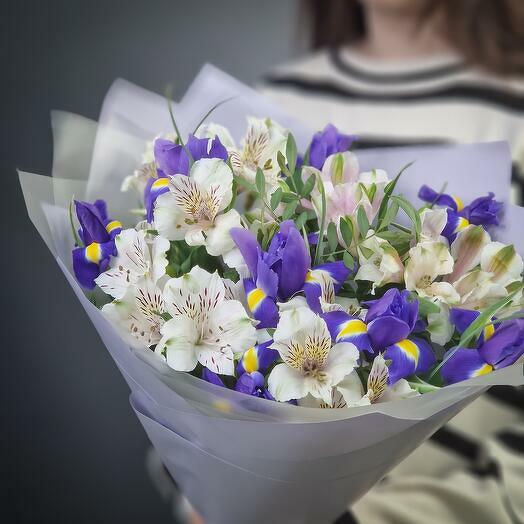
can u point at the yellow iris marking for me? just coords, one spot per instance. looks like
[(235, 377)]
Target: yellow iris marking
[(114, 224), (94, 252), (463, 223), (160, 182), (352, 328), (250, 360), (488, 331), (254, 298), (484, 370), (409, 348), (310, 277), (458, 201)]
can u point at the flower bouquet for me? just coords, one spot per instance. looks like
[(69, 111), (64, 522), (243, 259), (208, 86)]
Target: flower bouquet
[(292, 319)]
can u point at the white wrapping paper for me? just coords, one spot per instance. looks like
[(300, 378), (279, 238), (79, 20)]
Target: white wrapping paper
[(239, 458)]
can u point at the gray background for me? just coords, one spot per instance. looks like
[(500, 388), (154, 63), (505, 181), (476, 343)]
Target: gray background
[(72, 450)]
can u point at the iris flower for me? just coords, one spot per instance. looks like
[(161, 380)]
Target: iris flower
[(282, 271), (499, 345), (97, 232)]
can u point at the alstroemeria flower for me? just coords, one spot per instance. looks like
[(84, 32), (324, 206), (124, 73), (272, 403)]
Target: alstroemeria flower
[(383, 265), (503, 262), (172, 159), (97, 232), (191, 209), (427, 262), (477, 289), (500, 344), (276, 274), (138, 314), (326, 143), (433, 222), (311, 364), (378, 386), (263, 141), (483, 211), (377, 179), (205, 327)]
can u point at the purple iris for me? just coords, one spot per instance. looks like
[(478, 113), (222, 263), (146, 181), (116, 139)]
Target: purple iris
[(172, 159), (212, 377), (276, 274), (391, 320), (253, 384), (483, 211), (97, 232), (499, 345), (326, 143)]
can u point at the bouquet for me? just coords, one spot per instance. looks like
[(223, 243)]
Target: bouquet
[(289, 315)]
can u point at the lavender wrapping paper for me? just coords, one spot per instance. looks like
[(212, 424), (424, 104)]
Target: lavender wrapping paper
[(239, 458)]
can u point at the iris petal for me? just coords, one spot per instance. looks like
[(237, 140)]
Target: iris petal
[(464, 364)]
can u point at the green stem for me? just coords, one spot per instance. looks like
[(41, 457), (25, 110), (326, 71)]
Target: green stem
[(322, 221)]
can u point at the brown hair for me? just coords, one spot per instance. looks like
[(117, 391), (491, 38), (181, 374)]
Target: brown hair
[(488, 33)]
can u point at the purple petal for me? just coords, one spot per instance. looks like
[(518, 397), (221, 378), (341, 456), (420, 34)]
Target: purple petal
[(262, 307), (506, 345), (249, 248), (483, 211), (154, 188), (295, 264), (92, 218), (213, 378), (431, 196), (464, 364), (337, 271), (171, 158), (267, 279), (345, 328), (462, 318), (387, 330)]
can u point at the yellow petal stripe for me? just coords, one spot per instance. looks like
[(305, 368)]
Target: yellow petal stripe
[(114, 224), (250, 360), (352, 328), (409, 348), (160, 182), (310, 277), (462, 223), (94, 252), (458, 201), (254, 298), (488, 332), (484, 370)]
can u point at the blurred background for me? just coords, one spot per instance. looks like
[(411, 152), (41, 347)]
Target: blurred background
[(72, 450)]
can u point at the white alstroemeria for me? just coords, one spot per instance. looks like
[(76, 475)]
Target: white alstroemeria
[(205, 326), (213, 130), (381, 264), (440, 329), (428, 261), (477, 290), (377, 388), (337, 401), (311, 365), (374, 182), (433, 222), (466, 250), (191, 210), (259, 149), (137, 257), (340, 168), (503, 262), (138, 314)]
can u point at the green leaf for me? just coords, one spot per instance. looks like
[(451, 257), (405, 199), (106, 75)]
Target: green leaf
[(260, 182), (289, 197), (244, 183), (308, 186), (366, 252), (276, 198), (290, 210), (78, 242), (390, 215), (425, 306), (281, 160), (475, 328), (318, 251), (332, 236), (410, 211), (212, 110), (301, 220), (388, 190), (362, 221), (349, 261), (291, 153), (346, 230)]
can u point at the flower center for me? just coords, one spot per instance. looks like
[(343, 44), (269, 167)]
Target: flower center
[(425, 281)]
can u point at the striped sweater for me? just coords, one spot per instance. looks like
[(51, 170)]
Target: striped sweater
[(472, 470)]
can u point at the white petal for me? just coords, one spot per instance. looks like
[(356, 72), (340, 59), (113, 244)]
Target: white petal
[(231, 324), (293, 320), (400, 389), (212, 130), (218, 359), (169, 218), (116, 281), (178, 343), (214, 175), (285, 383), (195, 236), (503, 261), (219, 241), (433, 223), (159, 254), (341, 361), (352, 390)]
